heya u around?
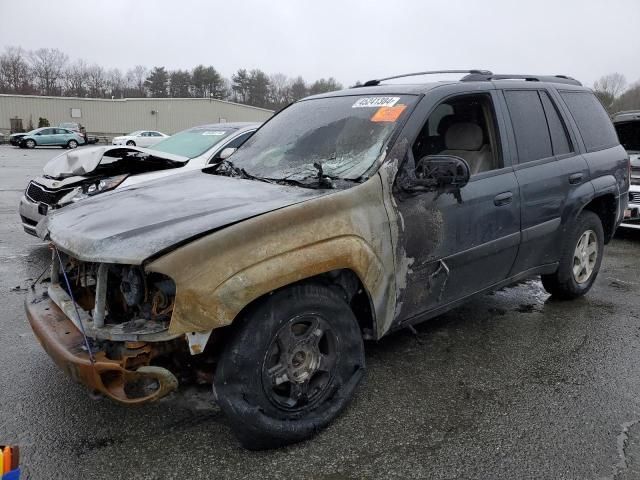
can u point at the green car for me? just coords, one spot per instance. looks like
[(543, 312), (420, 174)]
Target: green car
[(48, 137)]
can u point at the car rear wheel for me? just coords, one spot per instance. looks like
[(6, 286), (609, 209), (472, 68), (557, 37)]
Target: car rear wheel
[(580, 261), (290, 366), (72, 144), (30, 143), (131, 143)]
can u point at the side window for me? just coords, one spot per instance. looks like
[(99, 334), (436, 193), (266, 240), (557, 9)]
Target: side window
[(529, 125), (595, 127), (559, 138), (236, 142), (463, 126)]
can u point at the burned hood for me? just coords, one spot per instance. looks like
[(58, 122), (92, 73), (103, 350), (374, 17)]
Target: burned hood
[(81, 161), (135, 223)]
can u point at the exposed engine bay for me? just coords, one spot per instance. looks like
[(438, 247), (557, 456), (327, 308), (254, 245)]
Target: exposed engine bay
[(121, 343), (132, 301)]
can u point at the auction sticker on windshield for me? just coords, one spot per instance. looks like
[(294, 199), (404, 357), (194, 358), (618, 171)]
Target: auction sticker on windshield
[(375, 102), (388, 114), (216, 133)]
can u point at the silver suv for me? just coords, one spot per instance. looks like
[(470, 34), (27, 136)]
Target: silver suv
[(627, 126)]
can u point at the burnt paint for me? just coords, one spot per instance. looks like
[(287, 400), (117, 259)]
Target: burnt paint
[(132, 224)]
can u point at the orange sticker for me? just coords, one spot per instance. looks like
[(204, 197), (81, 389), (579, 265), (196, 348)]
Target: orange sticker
[(388, 114)]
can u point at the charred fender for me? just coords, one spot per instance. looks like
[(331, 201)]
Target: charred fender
[(221, 273)]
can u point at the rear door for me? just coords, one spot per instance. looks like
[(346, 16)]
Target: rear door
[(548, 168), (144, 140), (62, 136)]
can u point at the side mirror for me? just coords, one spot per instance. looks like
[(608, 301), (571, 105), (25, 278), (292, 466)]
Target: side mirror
[(226, 153), (441, 173)]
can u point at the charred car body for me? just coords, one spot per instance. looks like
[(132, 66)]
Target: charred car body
[(346, 216), (79, 174)]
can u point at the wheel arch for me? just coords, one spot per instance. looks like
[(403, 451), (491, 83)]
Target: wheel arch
[(605, 206), (347, 263)]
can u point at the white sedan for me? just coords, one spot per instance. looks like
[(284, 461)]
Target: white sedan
[(140, 138)]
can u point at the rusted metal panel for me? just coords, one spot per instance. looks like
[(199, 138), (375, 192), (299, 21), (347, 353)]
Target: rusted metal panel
[(64, 343), (219, 274)]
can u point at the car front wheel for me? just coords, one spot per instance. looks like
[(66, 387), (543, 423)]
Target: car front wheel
[(131, 143), (582, 251), (30, 143), (290, 366)]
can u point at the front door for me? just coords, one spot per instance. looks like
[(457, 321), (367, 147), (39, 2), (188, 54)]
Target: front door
[(46, 137), (453, 247)]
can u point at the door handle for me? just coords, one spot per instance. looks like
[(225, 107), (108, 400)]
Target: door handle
[(575, 178), (503, 199)]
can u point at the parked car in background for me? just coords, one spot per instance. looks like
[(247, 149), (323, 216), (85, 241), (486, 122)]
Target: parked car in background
[(47, 137), (72, 176), (627, 126), (348, 215), (140, 138)]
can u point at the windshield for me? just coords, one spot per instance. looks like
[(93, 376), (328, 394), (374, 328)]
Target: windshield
[(629, 135), (193, 142), (133, 134), (342, 136)]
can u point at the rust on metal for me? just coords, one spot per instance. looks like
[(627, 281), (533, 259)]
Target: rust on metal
[(218, 275), (64, 343)]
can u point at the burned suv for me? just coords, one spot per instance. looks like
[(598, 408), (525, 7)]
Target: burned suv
[(348, 215)]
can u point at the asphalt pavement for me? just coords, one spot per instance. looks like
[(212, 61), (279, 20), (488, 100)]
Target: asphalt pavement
[(512, 385)]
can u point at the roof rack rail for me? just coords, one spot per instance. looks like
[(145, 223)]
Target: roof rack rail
[(372, 83), (484, 77)]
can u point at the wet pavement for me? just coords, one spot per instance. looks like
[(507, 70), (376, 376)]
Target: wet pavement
[(512, 385)]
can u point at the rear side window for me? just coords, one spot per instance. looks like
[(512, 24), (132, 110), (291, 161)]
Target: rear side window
[(594, 124), (559, 139), (529, 125)]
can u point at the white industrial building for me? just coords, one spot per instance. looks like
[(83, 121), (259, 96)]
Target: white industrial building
[(120, 116)]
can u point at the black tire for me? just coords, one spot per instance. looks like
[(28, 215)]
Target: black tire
[(72, 144), (263, 413), (30, 143), (563, 284), (131, 143)]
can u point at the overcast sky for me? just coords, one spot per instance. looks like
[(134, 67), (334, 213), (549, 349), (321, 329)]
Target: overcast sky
[(347, 39)]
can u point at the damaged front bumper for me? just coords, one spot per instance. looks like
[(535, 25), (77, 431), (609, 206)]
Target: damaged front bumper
[(64, 343), (111, 358)]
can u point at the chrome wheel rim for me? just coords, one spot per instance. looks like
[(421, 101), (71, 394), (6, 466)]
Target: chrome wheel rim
[(585, 256), (299, 364)]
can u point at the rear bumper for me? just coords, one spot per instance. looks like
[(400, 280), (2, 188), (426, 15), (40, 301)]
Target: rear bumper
[(65, 345)]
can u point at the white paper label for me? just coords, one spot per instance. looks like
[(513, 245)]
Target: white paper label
[(375, 102), (214, 133)]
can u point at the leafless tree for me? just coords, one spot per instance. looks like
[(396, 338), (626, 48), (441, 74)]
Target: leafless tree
[(608, 88), (280, 90), (116, 83), (629, 100), (48, 67), (76, 79), (135, 81), (14, 71), (96, 81)]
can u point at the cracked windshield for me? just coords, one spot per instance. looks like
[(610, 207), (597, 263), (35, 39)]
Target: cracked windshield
[(339, 138)]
